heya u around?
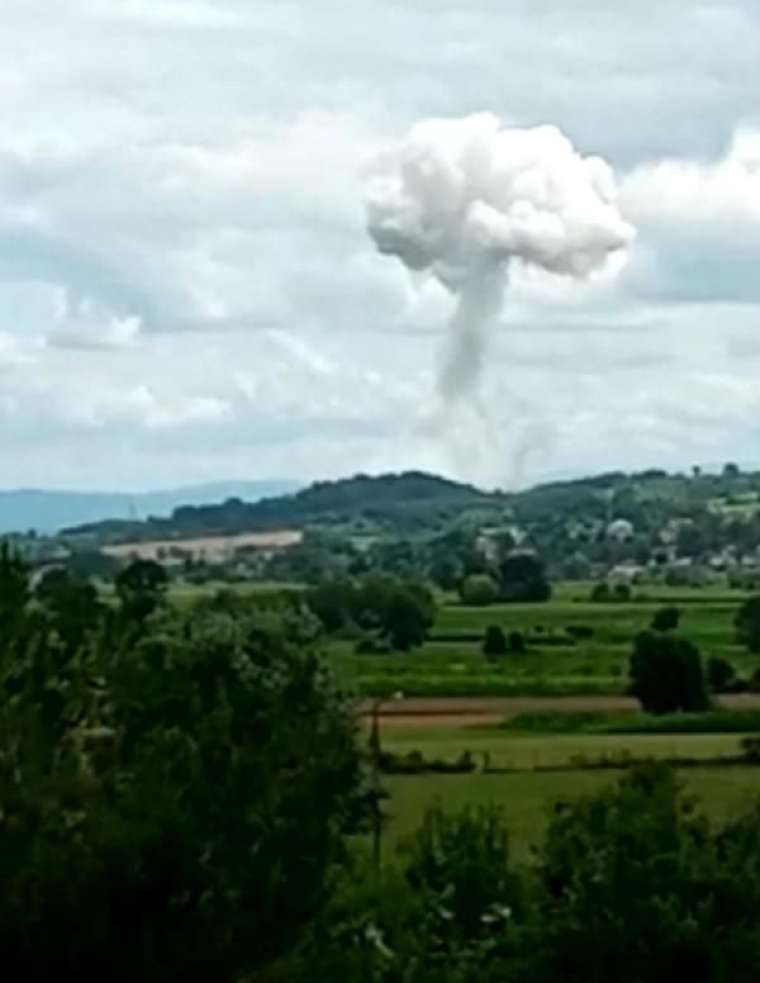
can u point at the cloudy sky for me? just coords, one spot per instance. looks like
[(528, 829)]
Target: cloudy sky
[(188, 291)]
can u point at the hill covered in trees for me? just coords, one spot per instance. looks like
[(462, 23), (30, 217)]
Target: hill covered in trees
[(404, 500)]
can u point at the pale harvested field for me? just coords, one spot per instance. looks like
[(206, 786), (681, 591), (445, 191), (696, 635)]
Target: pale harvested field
[(462, 711), (207, 546)]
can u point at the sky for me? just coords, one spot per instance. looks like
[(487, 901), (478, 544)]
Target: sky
[(188, 291)]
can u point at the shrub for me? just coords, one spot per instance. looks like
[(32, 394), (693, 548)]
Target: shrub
[(621, 592), (666, 674), (580, 632), (494, 642), (666, 619), (478, 590), (720, 674), (516, 642), (600, 592), (747, 624)]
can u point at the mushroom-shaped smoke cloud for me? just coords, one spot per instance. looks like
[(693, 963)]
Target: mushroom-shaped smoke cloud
[(463, 198)]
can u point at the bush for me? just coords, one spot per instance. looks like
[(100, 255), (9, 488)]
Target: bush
[(666, 619), (494, 642), (580, 632), (621, 592), (747, 624), (600, 592), (369, 645), (720, 674), (478, 590), (666, 674), (516, 643), (523, 579)]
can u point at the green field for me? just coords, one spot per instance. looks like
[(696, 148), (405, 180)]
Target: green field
[(528, 798), (454, 667)]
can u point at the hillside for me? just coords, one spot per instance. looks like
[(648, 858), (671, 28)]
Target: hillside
[(47, 511), (400, 501)]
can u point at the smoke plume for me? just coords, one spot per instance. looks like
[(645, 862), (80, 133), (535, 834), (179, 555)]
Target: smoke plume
[(463, 198)]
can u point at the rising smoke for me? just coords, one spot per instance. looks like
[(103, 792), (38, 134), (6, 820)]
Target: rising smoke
[(463, 199)]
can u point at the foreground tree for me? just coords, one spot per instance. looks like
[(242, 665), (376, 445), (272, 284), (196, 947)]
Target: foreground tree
[(172, 805), (666, 674)]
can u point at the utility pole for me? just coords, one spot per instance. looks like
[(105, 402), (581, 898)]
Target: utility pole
[(377, 816)]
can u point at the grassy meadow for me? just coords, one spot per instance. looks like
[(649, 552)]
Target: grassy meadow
[(448, 665), (527, 798)]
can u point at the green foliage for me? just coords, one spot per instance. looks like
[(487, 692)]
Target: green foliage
[(479, 590), (494, 642), (666, 618), (636, 871), (459, 863), (516, 643), (600, 592), (141, 588), (666, 674), (523, 578), (747, 624), (720, 674), (173, 799)]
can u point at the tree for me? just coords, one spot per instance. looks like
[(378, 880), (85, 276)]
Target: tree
[(71, 604), (478, 590), (666, 674), (494, 642), (141, 588), (637, 869), (720, 674), (600, 592), (516, 643), (523, 578), (173, 803), (405, 620), (747, 624), (330, 602), (666, 618)]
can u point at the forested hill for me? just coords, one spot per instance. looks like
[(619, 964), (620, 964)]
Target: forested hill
[(556, 516), (403, 501)]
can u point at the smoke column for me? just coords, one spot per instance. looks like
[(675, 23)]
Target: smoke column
[(462, 199)]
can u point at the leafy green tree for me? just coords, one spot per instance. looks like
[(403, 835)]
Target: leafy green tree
[(666, 618), (636, 887), (747, 624), (406, 620), (720, 674), (141, 588), (523, 578), (494, 642), (600, 592), (459, 864), (666, 674), (478, 590), (330, 602), (173, 806), (72, 606)]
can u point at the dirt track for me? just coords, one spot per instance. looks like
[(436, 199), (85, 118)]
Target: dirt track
[(439, 711)]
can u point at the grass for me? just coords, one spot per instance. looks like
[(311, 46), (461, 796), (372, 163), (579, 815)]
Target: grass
[(712, 722), (595, 665), (527, 799), (505, 750)]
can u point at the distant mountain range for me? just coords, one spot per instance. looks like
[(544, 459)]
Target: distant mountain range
[(49, 511)]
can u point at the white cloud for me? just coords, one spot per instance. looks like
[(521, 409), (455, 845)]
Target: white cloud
[(186, 285)]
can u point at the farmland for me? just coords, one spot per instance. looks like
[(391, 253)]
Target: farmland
[(527, 798), (451, 662)]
